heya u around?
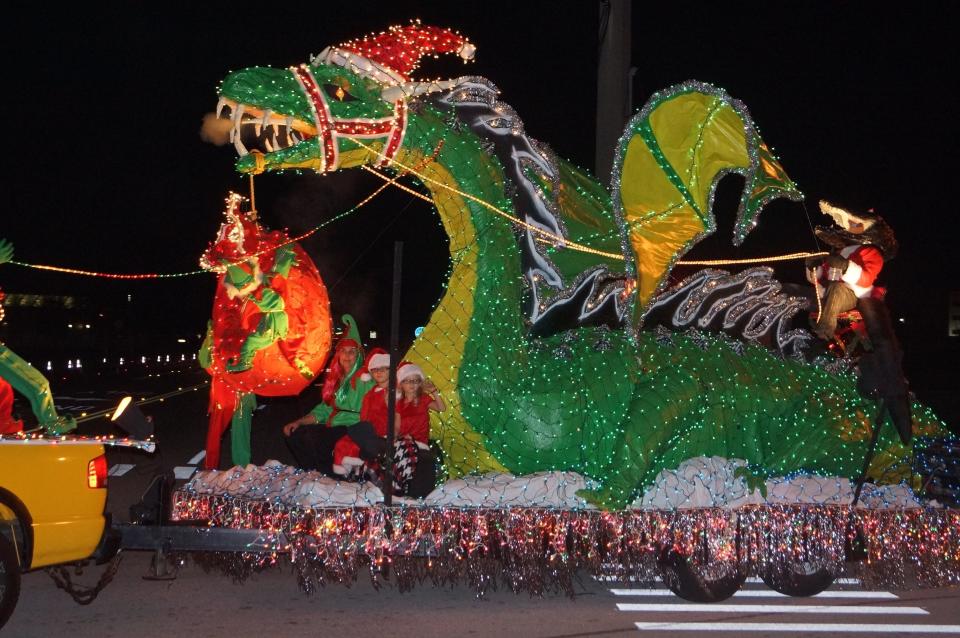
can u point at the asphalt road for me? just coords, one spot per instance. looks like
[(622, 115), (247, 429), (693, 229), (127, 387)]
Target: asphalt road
[(270, 604)]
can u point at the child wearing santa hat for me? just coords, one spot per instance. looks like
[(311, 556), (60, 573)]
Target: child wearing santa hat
[(417, 396), (413, 405), (366, 438)]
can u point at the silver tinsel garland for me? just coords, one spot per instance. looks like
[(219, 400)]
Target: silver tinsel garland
[(538, 550)]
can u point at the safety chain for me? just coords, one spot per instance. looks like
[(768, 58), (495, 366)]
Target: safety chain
[(83, 594)]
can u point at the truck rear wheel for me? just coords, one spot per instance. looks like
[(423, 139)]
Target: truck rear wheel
[(9, 579)]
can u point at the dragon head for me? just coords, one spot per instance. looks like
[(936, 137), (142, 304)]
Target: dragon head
[(335, 112)]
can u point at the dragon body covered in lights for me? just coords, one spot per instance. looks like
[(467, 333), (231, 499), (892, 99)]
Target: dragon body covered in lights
[(555, 340)]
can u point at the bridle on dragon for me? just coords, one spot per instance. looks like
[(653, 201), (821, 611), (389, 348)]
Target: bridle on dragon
[(330, 128)]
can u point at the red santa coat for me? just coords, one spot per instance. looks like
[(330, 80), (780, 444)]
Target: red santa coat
[(864, 264), (374, 410), (8, 425), (415, 419)]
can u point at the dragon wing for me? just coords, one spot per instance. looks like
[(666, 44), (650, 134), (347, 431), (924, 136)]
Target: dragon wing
[(668, 163)]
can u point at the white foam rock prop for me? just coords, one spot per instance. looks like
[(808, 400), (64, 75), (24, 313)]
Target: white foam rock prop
[(698, 482)]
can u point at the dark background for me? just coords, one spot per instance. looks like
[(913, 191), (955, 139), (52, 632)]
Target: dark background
[(105, 170)]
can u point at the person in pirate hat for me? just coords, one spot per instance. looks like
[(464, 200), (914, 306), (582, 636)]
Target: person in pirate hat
[(860, 244)]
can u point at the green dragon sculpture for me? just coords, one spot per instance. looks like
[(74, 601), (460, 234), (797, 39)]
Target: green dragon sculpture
[(539, 341)]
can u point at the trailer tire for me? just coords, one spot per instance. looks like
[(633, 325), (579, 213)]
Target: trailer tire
[(798, 579), (9, 579), (698, 583)]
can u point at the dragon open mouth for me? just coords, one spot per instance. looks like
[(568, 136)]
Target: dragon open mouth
[(256, 129)]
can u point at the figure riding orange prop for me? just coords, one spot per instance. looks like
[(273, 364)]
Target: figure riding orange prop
[(270, 328)]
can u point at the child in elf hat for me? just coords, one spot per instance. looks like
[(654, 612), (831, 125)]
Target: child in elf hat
[(313, 436)]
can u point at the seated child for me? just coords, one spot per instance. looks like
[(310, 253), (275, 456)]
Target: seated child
[(373, 417)]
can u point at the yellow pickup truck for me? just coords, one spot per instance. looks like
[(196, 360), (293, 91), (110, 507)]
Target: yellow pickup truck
[(52, 498)]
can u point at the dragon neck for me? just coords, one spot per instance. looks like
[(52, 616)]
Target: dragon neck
[(459, 175)]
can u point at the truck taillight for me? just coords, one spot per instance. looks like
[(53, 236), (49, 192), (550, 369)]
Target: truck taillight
[(97, 472)]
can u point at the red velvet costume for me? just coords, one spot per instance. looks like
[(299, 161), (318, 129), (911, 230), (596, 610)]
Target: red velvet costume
[(415, 419), (374, 410), (8, 425), (865, 263)]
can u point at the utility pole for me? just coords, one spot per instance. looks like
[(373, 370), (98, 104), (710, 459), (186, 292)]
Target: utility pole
[(614, 78)]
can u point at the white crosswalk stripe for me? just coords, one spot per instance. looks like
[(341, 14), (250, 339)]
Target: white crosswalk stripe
[(771, 609), (120, 469), (800, 628), (184, 472), (751, 579), (764, 593), (770, 603)]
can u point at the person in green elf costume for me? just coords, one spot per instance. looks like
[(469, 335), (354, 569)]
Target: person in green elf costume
[(27, 380), (312, 437)]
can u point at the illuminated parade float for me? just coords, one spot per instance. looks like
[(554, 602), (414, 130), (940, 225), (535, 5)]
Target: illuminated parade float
[(599, 415)]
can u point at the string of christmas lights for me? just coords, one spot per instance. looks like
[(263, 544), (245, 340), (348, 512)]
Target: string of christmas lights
[(135, 276), (548, 237), (388, 181)]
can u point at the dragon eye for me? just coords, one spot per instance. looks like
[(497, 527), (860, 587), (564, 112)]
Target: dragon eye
[(338, 92)]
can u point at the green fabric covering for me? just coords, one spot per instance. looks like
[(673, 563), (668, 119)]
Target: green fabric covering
[(28, 381), (273, 326), (240, 427), (348, 399)]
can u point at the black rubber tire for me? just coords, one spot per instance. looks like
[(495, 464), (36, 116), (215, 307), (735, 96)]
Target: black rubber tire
[(9, 579), (798, 579), (700, 583)]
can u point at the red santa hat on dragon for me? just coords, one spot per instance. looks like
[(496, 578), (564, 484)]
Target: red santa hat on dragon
[(390, 57)]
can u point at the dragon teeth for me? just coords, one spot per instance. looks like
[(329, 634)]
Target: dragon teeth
[(235, 131), (241, 149), (269, 146), (222, 102)]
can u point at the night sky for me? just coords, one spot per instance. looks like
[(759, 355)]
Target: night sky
[(105, 169)]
